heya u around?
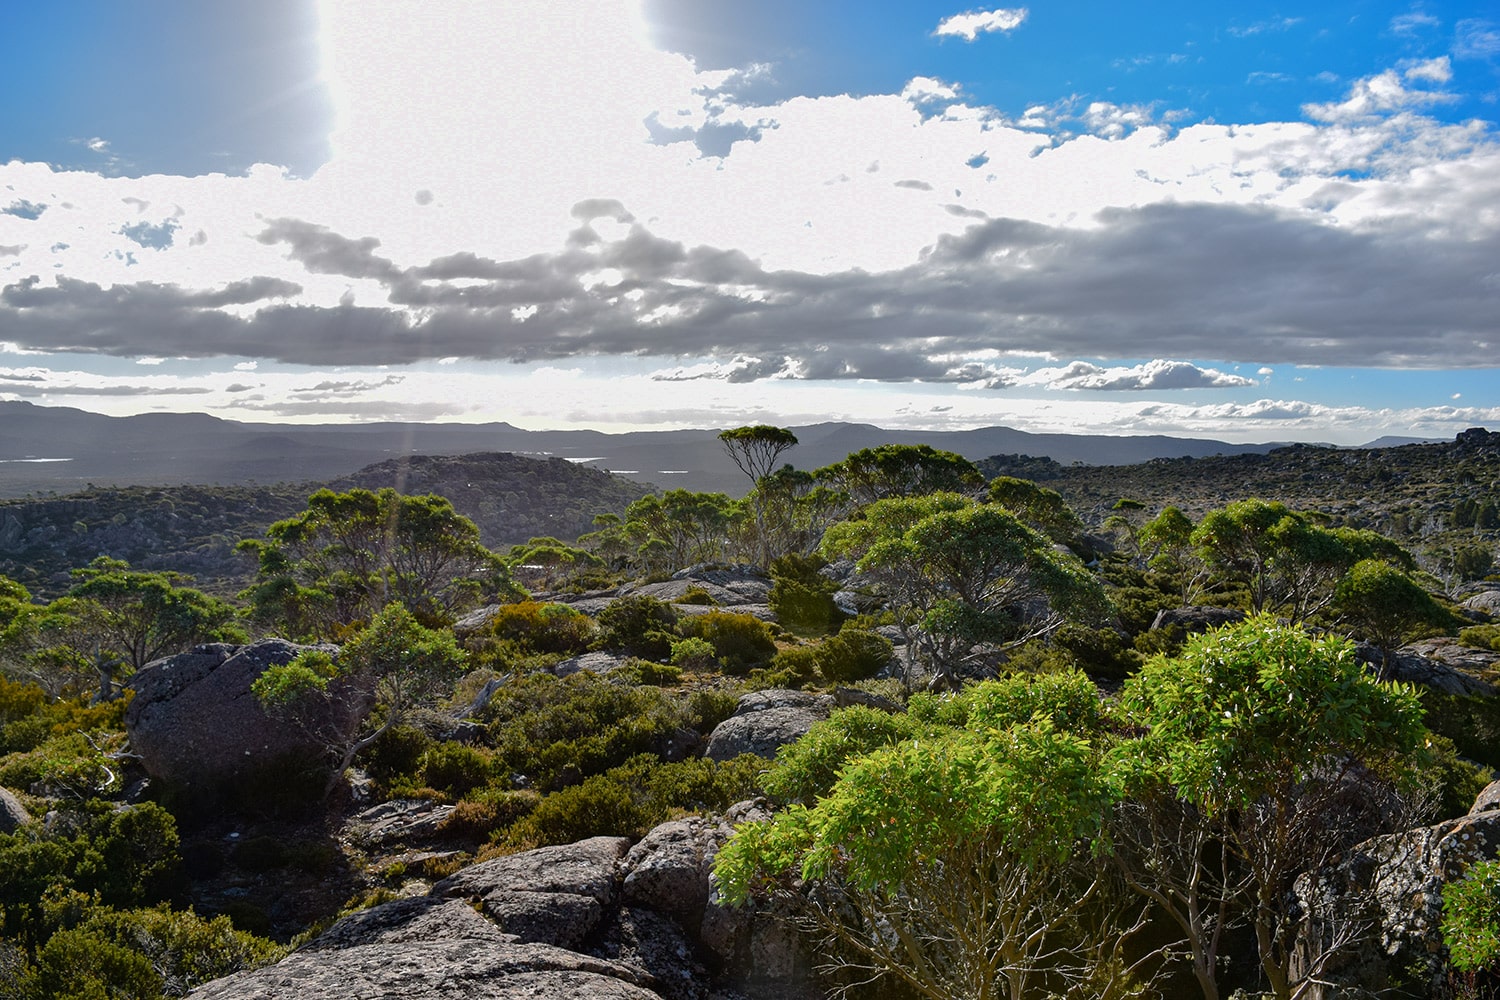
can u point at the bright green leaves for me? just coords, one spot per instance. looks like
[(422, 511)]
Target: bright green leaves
[(1471, 918)]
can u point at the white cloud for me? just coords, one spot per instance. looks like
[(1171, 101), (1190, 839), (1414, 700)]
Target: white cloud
[(1439, 70), (921, 89), (971, 25), (1411, 23), (1156, 375), (1385, 93), (1476, 38)]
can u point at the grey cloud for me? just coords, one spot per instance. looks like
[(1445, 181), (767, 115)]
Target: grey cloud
[(239, 387), (139, 204), (13, 377), (368, 409), (598, 208), (357, 386), (1236, 284), (23, 209), (63, 389), (713, 138), (914, 185), (322, 251), (12, 251), (1159, 374)]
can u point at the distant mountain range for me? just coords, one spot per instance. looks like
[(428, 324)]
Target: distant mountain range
[(61, 449)]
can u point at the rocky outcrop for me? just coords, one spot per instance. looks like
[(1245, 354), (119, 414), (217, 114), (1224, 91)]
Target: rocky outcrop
[(12, 813), (593, 919), (765, 721), (1485, 603), (197, 727), (1376, 916), (1446, 665), (1196, 618)]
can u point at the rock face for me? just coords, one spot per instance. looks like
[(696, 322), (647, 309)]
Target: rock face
[(197, 727), (12, 813), (1196, 618), (593, 919), (765, 721), (1446, 665), (1392, 886)]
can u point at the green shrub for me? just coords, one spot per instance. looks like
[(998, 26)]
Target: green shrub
[(853, 655), (1101, 652), (1472, 722), (1457, 782), (801, 597), (740, 641), (396, 756), (1471, 919), (696, 594), (66, 765), (1070, 701), (693, 653), (808, 768), (557, 732), (630, 799), (456, 769), (1481, 637), (794, 666), (638, 625), (536, 627), (638, 671), (487, 811)]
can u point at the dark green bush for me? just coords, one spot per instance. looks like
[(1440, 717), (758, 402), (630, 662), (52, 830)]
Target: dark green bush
[(638, 671), (696, 594), (486, 812), (1458, 782), (853, 655), (1472, 722), (1481, 637), (536, 627), (396, 756), (1101, 652), (801, 597), (630, 799), (556, 732), (456, 769), (693, 653), (638, 625), (794, 666), (740, 641)]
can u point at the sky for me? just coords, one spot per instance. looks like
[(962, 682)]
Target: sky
[(1250, 221)]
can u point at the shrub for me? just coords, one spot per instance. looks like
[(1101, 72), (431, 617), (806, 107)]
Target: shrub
[(537, 627), (1471, 919), (1481, 637), (630, 799), (1472, 722), (1099, 651), (808, 768), (456, 768), (487, 811), (696, 594), (395, 757), (801, 597), (638, 671), (693, 653), (66, 765), (853, 655), (739, 641), (794, 666), (639, 625), (556, 732)]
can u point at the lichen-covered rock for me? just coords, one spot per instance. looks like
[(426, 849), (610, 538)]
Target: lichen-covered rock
[(197, 727), (399, 821), (1387, 895), (1488, 799), (12, 813), (669, 869), (1446, 665), (552, 895), (765, 721)]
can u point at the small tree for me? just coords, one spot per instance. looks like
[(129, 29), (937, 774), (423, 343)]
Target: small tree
[(1386, 607), (134, 617), (755, 450), (900, 470), (1267, 752), (964, 576), (389, 668)]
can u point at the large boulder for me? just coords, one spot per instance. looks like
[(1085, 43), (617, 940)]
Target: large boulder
[(198, 728), (1446, 665), (765, 721), (552, 895), (1376, 915), (12, 813), (429, 949)]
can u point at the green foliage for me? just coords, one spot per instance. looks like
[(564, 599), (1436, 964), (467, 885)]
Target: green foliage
[(396, 754), (739, 641), (350, 554), (693, 653), (638, 794), (1472, 722), (638, 625), (558, 731), (791, 667), (900, 470), (64, 764), (854, 654), (801, 597), (1481, 637), (488, 811), (756, 449), (456, 769), (1068, 702), (806, 770), (1456, 781), (139, 616), (1387, 607), (536, 627), (1471, 918), (121, 858), (1041, 508), (1258, 707), (964, 575)]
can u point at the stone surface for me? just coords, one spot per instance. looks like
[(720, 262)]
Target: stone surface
[(1392, 885), (1447, 666), (197, 726), (765, 721), (669, 869), (399, 821), (1488, 800), (1196, 618), (12, 813), (1486, 602)]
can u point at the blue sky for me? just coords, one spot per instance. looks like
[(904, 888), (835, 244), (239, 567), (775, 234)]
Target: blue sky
[(1264, 222)]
